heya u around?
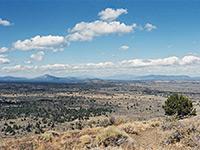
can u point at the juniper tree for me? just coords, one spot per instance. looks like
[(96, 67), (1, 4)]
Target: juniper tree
[(179, 105)]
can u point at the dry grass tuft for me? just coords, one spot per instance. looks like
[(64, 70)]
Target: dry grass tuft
[(85, 139), (155, 122), (46, 136), (185, 132), (113, 136), (135, 127)]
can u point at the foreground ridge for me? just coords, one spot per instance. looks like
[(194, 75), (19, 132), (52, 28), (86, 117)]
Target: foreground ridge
[(167, 133)]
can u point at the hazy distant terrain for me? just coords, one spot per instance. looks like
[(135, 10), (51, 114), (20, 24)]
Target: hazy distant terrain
[(124, 77)]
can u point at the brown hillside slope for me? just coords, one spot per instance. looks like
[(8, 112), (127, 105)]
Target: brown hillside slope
[(157, 134)]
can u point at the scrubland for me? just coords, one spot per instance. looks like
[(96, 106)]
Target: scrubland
[(117, 134), (106, 115)]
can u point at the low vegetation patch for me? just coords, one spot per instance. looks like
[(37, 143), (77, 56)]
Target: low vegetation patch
[(46, 136), (185, 132), (112, 136), (135, 127), (85, 139), (112, 121)]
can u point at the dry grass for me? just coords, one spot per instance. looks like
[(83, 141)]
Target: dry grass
[(173, 134), (136, 127), (110, 132), (114, 137), (85, 139), (183, 132)]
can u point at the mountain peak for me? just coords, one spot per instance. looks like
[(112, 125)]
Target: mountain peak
[(46, 77)]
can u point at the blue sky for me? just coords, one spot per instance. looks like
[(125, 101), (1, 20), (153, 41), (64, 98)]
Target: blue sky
[(99, 38)]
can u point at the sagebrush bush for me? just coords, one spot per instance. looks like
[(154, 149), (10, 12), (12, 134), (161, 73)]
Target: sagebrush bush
[(105, 123), (112, 136), (129, 129), (108, 122), (85, 139), (186, 132), (46, 136)]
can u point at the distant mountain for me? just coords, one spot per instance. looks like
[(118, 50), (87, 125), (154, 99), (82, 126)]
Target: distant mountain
[(12, 79), (164, 77), (46, 77), (151, 77), (87, 79), (121, 77), (49, 78)]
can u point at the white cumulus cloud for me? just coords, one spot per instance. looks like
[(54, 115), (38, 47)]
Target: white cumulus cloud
[(27, 62), (3, 49), (11, 68), (124, 48), (41, 43), (150, 27), (4, 60), (38, 56), (5, 22), (85, 31), (3, 56), (187, 60), (193, 54), (110, 14), (169, 65)]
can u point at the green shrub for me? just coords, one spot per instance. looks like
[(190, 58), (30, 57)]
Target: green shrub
[(178, 105), (112, 136), (85, 139), (46, 136), (105, 123)]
